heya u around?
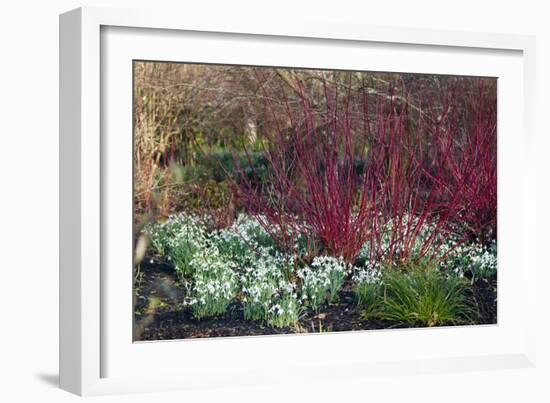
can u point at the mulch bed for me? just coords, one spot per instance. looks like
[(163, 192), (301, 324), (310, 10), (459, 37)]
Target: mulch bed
[(160, 314)]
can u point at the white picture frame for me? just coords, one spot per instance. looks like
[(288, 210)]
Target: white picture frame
[(95, 352)]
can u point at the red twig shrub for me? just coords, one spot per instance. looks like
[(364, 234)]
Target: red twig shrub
[(472, 128), (354, 162)]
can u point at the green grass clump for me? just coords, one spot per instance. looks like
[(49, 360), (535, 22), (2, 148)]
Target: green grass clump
[(369, 299), (418, 296)]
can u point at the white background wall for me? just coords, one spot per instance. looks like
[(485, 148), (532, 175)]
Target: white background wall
[(29, 201)]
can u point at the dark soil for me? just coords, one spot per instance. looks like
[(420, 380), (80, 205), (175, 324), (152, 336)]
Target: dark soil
[(485, 298), (160, 313)]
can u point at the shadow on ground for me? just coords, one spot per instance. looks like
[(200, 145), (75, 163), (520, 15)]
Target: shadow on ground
[(49, 379)]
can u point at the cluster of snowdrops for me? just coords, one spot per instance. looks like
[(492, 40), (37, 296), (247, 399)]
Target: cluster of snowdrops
[(242, 265)]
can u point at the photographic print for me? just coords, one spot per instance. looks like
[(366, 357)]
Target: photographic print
[(275, 200)]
